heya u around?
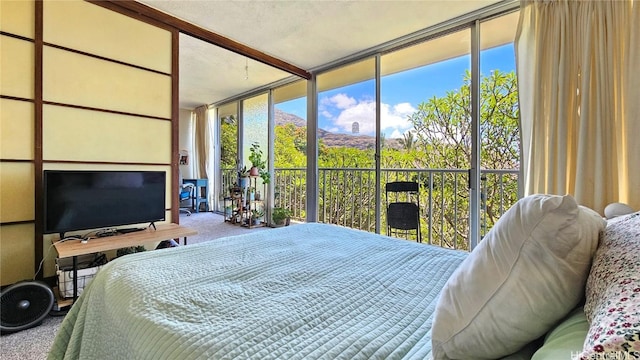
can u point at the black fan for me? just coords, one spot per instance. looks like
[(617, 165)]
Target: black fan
[(24, 305)]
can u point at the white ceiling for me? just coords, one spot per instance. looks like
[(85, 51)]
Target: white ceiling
[(307, 34)]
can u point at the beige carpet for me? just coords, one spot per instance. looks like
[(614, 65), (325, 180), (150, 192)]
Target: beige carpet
[(34, 343), (211, 226)]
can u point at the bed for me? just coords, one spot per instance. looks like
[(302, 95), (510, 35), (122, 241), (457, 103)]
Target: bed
[(303, 291), (317, 291)]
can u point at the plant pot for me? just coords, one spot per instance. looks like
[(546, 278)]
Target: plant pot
[(254, 171), (244, 182), (283, 222)]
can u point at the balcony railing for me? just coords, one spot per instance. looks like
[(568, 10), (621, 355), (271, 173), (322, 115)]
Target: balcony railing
[(347, 197)]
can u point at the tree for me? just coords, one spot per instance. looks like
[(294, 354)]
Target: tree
[(290, 146), (443, 130), (443, 125), (228, 143), (440, 139), (408, 140)]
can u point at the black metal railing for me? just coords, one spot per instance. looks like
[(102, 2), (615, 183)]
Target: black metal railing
[(347, 197)]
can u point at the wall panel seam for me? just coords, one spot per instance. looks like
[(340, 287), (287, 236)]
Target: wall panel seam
[(119, 62), (105, 110), (16, 36), (175, 124), (21, 222), (88, 162), (8, 97), (38, 134)]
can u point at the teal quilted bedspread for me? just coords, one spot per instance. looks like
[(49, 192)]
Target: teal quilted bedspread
[(310, 291)]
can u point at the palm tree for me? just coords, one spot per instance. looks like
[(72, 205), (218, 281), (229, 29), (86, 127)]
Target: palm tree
[(408, 140)]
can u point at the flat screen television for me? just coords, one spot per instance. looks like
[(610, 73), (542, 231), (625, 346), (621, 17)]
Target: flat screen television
[(86, 200)]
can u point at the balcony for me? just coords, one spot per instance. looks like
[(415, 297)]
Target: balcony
[(347, 197)]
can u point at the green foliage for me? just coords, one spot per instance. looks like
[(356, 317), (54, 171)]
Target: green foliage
[(130, 250), (290, 147), (257, 214), (345, 157), (228, 143), (255, 157), (279, 215), (440, 139)]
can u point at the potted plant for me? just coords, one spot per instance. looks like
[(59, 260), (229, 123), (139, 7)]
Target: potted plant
[(243, 177), (256, 216), (258, 164), (280, 216)]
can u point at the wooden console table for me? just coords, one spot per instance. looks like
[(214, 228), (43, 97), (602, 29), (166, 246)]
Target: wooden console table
[(75, 248)]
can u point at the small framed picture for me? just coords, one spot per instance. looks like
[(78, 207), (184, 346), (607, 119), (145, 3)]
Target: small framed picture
[(184, 159)]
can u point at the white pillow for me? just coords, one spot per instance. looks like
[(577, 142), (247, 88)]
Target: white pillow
[(617, 209), (526, 274)]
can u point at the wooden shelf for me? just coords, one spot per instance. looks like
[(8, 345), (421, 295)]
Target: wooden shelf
[(163, 232)]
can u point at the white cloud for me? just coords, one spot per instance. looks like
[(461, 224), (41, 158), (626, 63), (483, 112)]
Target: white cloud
[(396, 118), (393, 118), (404, 108), (343, 101), (396, 134), (363, 113), (326, 114)]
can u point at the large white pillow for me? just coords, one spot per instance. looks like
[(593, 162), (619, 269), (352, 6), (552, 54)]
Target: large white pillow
[(526, 274)]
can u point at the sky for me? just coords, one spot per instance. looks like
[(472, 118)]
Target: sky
[(400, 94)]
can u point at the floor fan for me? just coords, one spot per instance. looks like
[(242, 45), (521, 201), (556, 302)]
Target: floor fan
[(24, 305)]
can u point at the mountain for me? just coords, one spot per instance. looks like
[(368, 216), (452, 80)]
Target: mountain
[(361, 142), (283, 118)]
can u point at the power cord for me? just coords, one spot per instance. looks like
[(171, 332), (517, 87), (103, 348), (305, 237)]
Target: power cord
[(49, 250), (83, 238)]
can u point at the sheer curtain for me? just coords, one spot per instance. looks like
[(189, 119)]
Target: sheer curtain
[(577, 65)]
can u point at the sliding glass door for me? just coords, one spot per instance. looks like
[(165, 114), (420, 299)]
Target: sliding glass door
[(290, 148), (499, 111), (442, 112), (426, 122), (347, 146), (226, 173)]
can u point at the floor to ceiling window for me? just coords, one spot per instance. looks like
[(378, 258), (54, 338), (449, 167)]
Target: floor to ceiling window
[(255, 134), (424, 133), (227, 174), (290, 148), (347, 146), (426, 120), (499, 111)]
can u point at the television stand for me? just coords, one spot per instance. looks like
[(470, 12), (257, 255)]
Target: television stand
[(130, 230), (75, 248)]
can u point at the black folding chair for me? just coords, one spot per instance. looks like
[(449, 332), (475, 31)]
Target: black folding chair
[(403, 209)]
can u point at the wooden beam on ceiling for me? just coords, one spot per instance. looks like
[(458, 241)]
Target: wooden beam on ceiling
[(129, 7)]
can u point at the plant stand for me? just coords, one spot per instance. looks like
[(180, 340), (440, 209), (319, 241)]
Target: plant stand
[(251, 206)]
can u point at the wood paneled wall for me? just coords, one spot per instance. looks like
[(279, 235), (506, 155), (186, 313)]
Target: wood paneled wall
[(83, 87)]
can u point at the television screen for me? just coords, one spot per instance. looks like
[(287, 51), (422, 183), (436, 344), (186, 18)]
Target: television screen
[(82, 200)]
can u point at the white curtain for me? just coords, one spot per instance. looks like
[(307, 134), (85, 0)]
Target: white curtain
[(203, 149), (577, 65)]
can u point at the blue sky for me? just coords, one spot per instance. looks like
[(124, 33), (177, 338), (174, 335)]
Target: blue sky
[(400, 94)]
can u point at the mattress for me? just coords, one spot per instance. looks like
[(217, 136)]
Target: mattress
[(312, 291)]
